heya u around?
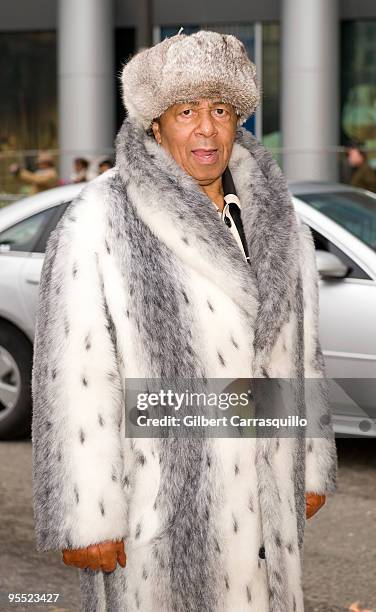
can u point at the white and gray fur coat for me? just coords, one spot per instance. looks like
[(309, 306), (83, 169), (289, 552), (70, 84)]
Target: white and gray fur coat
[(142, 280)]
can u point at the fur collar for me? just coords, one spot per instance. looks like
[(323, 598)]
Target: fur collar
[(171, 203)]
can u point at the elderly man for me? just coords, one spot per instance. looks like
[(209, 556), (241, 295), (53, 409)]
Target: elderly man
[(185, 261)]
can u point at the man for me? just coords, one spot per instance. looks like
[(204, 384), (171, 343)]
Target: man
[(81, 168), (45, 177), (185, 261), (104, 165), (362, 174)]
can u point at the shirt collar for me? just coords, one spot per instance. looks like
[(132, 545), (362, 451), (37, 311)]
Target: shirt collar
[(230, 195), (232, 198)]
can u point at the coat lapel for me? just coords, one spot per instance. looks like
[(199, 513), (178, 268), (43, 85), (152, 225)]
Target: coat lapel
[(171, 203), (271, 230)]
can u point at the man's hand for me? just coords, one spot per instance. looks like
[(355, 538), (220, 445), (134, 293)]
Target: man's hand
[(14, 169), (314, 502), (103, 556)]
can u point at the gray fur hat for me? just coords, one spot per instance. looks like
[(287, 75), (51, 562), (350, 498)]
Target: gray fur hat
[(184, 68)]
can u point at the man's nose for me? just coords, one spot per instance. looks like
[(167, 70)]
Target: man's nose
[(206, 124)]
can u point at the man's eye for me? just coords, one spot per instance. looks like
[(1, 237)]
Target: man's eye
[(187, 112), (220, 111)]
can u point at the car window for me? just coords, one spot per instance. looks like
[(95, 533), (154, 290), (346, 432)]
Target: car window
[(40, 246), (22, 236), (323, 244), (353, 210)]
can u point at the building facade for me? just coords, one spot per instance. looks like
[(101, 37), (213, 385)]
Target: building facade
[(60, 63)]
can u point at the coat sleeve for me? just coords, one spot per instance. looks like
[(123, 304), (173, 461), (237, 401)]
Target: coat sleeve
[(321, 454), (76, 391)]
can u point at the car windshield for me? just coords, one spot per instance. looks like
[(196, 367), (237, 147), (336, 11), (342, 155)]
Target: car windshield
[(355, 211)]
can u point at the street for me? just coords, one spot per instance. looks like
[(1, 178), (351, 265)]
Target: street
[(339, 549)]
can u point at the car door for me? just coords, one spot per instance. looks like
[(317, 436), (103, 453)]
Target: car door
[(348, 336), (32, 267)]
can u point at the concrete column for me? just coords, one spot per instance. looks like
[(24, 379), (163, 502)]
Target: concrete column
[(144, 30), (86, 79), (310, 88), (258, 61)]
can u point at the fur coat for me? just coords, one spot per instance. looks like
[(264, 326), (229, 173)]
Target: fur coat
[(142, 280)]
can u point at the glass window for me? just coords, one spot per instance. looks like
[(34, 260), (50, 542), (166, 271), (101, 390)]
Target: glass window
[(124, 49), (354, 211), (323, 244), (28, 98), (168, 31), (40, 246), (271, 52), (23, 235), (358, 87)]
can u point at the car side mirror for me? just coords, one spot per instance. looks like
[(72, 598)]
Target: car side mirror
[(330, 265)]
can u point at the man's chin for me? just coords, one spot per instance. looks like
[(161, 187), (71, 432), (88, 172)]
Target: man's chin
[(206, 176)]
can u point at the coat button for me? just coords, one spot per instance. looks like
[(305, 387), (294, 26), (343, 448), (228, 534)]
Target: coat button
[(262, 552)]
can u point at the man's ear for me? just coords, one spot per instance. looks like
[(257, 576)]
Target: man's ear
[(156, 131)]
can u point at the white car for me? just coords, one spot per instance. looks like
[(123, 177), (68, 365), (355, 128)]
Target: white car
[(343, 222)]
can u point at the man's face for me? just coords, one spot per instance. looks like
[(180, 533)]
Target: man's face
[(354, 157), (199, 136), (103, 167), (43, 165)]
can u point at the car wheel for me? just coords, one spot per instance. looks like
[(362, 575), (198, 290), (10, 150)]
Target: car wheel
[(16, 355)]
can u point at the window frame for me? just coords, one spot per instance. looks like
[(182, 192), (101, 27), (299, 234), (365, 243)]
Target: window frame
[(34, 240), (54, 213), (346, 258), (60, 209)]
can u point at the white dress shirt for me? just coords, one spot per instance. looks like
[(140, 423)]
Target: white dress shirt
[(231, 198)]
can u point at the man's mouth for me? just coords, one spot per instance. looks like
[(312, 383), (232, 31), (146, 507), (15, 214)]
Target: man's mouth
[(205, 156)]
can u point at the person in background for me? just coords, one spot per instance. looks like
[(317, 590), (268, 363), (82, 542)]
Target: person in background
[(104, 165), (80, 165), (45, 177), (362, 174)]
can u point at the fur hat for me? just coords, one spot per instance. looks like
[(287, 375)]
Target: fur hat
[(186, 68)]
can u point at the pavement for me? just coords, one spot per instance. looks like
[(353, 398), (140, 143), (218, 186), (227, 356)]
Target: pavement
[(339, 562)]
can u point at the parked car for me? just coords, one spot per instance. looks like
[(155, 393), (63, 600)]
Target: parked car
[(24, 230), (343, 223)]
